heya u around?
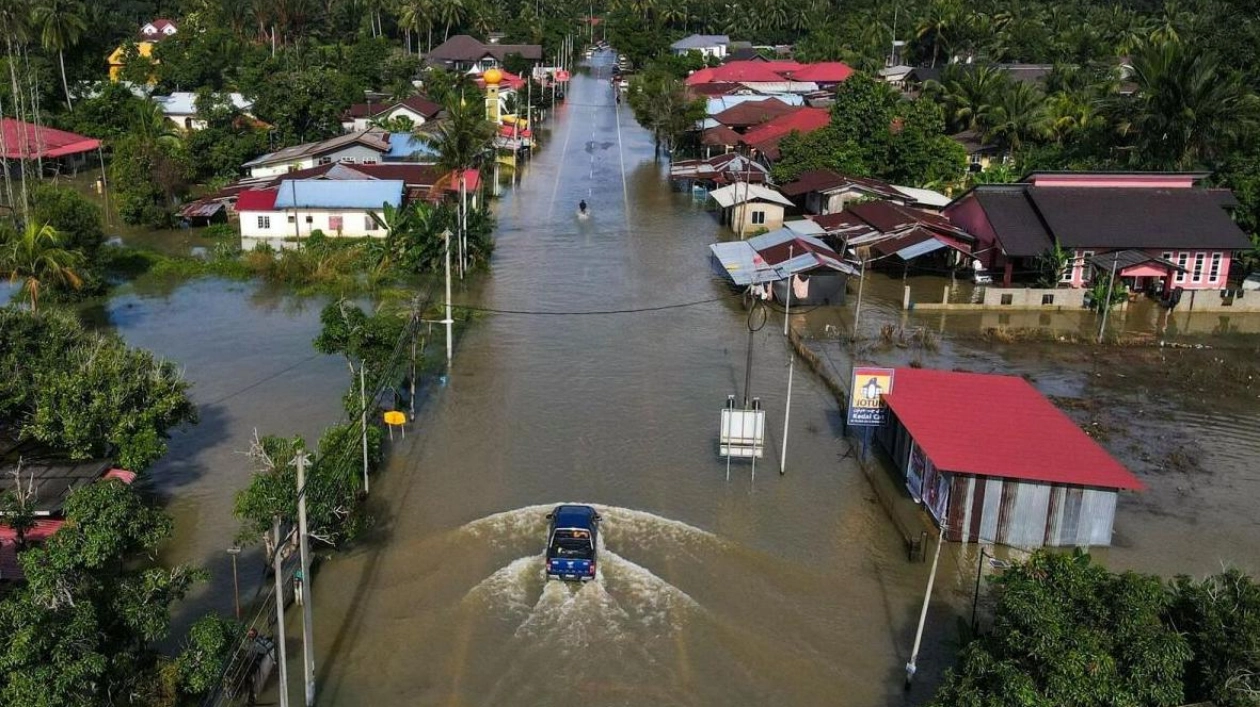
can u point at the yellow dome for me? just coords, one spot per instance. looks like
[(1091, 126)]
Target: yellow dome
[(492, 76)]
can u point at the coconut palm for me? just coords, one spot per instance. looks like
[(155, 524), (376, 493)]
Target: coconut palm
[(450, 12), (938, 25), (463, 141), (60, 24), (35, 257), (1018, 115), (1189, 109), (967, 92)]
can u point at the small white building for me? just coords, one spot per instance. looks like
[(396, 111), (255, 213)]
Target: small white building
[(750, 208), (709, 45), (417, 109), (362, 147), (181, 108), (157, 30), (337, 208)]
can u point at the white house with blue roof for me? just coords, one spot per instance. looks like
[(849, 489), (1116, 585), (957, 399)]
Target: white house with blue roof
[(181, 108), (337, 208)]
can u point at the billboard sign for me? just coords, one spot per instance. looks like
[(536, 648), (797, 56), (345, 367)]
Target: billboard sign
[(866, 396)]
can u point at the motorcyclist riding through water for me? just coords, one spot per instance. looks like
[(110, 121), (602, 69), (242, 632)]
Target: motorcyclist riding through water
[(582, 206)]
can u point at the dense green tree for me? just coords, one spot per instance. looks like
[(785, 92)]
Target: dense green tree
[(149, 177), (1220, 618), (79, 632), (874, 132), (87, 395), (77, 219), (109, 115), (662, 104), (1190, 109), (305, 106), (228, 139), (1069, 633)]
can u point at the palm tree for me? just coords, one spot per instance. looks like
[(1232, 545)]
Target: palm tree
[(463, 141), (967, 92), (1018, 115), (1189, 109), (60, 24), (35, 257), (939, 24), (450, 12)]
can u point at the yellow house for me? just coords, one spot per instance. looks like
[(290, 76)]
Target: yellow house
[(117, 59)]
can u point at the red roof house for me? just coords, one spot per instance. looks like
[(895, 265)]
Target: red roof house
[(25, 141), (994, 461), (823, 73), (765, 137)]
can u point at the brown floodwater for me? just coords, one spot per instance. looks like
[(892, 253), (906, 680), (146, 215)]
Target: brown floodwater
[(790, 589)]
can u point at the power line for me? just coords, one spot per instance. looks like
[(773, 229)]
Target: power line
[(597, 312)]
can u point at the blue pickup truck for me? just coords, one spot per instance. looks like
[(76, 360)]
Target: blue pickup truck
[(571, 545)]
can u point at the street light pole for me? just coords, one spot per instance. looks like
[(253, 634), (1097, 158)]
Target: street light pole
[(236, 588), (282, 660), (363, 419), (787, 302), (446, 236), (787, 411), (857, 312), (912, 666), (308, 621), (1106, 304)]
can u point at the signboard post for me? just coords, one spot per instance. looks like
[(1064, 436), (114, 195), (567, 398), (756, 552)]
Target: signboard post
[(742, 434), (866, 396)]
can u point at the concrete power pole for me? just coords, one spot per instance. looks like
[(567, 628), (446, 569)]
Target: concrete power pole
[(282, 661), (363, 419), (308, 637)]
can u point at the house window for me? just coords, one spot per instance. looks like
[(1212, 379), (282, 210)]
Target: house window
[(264, 223), (1182, 260), (1069, 268), (1215, 271), (324, 160), (334, 223), (1008, 299), (369, 223), (347, 160), (1047, 300), (1166, 256), (369, 160), (292, 218), (758, 218), (1198, 267)]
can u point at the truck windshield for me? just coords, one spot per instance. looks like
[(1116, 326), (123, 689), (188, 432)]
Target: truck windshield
[(572, 543)]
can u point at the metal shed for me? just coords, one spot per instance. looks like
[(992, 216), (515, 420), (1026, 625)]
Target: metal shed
[(994, 461)]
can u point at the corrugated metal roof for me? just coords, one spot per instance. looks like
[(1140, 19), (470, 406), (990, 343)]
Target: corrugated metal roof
[(185, 103), (1000, 426), (805, 227), (405, 145), (339, 194), (741, 192), (743, 265), (701, 41)]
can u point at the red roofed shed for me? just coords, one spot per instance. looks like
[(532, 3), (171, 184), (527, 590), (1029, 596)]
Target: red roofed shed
[(24, 141), (994, 461)]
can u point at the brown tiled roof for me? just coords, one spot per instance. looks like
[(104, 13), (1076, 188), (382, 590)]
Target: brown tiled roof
[(721, 136), (721, 88), (423, 175), (825, 180), (750, 113), (462, 47)]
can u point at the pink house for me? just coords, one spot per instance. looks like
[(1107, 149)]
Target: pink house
[(1159, 231)]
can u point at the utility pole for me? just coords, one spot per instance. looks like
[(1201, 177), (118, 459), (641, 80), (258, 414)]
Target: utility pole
[(1106, 303), (787, 411), (282, 661), (236, 587), (308, 622), (857, 312), (912, 666), (787, 306), (413, 325), (363, 419), (446, 236)]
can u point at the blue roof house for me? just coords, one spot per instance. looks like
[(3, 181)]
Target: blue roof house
[(337, 208)]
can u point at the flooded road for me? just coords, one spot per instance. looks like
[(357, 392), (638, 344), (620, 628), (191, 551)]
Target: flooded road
[(790, 589)]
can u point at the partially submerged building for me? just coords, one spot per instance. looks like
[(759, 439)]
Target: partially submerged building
[(993, 461)]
